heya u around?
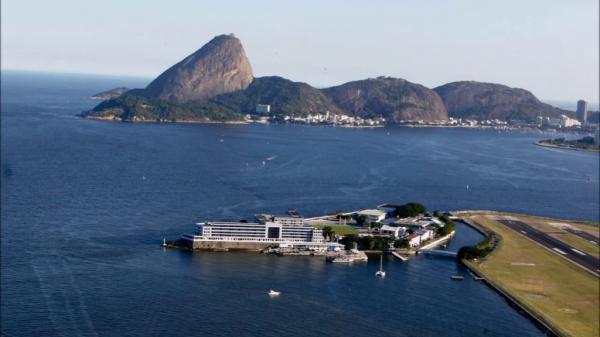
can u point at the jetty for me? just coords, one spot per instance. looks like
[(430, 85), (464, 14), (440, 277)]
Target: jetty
[(402, 258)]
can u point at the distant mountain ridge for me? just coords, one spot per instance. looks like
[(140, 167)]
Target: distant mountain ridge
[(216, 83), (479, 100), (394, 98)]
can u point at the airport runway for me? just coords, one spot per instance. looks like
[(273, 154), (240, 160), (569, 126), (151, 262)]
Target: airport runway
[(585, 235), (590, 262)]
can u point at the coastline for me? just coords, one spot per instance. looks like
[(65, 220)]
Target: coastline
[(184, 121), (557, 146), (512, 300), (540, 316)]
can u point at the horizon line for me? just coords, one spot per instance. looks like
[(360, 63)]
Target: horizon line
[(150, 78)]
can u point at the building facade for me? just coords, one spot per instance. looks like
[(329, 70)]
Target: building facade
[(582, 111), (277, 231), (263, 108)]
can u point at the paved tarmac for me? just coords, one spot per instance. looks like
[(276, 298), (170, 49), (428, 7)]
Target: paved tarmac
[(585, 260)]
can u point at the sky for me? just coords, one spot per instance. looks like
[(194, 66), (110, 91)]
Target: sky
[(548, 47)]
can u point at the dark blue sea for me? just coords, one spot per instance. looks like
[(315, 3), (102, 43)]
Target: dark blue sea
[(85, 205)]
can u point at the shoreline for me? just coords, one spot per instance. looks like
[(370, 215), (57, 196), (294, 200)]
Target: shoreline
[(528, 310), (521, 308), (118, 120), (412, 126), (564, 147)]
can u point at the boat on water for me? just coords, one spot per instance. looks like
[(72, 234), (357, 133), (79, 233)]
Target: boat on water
[(457, 277), (274, 293), (380, 272)]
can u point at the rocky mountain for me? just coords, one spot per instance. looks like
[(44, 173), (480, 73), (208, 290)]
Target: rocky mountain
[(219, 67), (216, 84), (285, 97), (108, 94), (393, 98), (481, 101)]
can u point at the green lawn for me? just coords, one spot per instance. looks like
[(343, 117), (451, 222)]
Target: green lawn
[(339, 229), (563, 294)]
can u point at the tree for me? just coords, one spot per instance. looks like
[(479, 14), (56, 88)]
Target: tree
[(409, 210), (348, 241), (363, 220), (401, 243), (376, 225), (328, 233), (368, 242)]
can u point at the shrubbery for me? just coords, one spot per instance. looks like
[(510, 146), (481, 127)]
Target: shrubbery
[(479, 250), (367, 242), (449, 226), (409, 210)]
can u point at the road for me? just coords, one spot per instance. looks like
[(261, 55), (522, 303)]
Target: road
[(589, 262)]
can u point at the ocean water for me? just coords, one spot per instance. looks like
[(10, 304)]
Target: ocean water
[(85, 205)]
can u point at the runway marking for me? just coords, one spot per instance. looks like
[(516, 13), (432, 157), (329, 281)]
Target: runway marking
[(578, 252), (522, 264), (560, 251)]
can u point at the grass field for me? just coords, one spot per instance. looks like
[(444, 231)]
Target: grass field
[(551, 287), (552, 228), (339, 229)]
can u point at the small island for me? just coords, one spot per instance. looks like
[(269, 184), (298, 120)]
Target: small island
[(586, 143), (402, 230)]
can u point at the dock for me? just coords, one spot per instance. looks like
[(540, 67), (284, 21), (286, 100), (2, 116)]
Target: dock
[(402, 258)]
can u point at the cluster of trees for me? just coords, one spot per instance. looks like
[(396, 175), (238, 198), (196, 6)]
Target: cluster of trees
[(401, 243), (329, 233), (409, 210), (367, 242), (449, 226), (128, 106), (479, 250)]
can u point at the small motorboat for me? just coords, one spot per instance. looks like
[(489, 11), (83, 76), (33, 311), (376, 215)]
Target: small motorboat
[(380, 272), (274, 293), (457, 277)]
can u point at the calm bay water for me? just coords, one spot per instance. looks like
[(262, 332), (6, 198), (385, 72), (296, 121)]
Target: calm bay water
[(85, 205)]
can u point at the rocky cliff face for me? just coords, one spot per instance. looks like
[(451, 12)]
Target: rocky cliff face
[(393, 98), (477, 100), (219, 67)]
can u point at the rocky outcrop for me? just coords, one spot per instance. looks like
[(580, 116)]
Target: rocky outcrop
[(109, 94), (481, 101), (393, 98), (219, 67)]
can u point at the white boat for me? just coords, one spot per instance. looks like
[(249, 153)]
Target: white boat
[(380, 272), (274, 293)]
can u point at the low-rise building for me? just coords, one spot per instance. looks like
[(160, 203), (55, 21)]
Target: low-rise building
[(418, 238), (393, 231), (374, 215), (263, 108)]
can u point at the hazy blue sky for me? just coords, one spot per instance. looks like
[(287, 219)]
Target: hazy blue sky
[(548, 47)]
